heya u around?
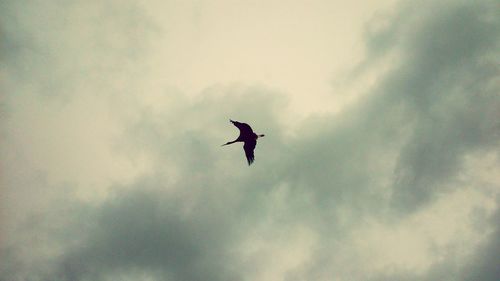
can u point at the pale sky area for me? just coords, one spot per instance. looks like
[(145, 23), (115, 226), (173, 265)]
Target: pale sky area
[(380, 161)]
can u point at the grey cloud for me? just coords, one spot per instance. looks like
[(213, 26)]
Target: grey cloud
[(53, 48), (392, 153), (185, 230), (143, 229), (484, 264), (437, 105), (443, 82), (481, 265)]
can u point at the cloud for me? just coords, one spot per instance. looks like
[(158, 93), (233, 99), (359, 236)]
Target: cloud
[(149, 232), (177, 222), (483, 265), (445, 81), (479, 265), (59, 49), (382, 190)]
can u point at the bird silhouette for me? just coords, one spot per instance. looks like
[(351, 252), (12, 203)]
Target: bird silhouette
[(248, 137)]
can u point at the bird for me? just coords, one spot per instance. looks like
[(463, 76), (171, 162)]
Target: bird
[(248, 137)]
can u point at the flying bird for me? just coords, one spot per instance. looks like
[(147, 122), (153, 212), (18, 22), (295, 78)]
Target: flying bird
[(248, 137)]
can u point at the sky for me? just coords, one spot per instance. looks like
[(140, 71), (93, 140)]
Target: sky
[(380, 161)]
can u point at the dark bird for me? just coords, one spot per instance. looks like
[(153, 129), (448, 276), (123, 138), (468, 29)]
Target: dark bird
[(248, 137)]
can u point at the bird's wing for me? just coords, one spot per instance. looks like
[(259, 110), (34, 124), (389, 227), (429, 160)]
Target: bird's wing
[(245, 129), (249, 146)]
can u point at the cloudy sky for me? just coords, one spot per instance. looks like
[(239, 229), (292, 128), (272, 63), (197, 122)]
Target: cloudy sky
[(380, 162)]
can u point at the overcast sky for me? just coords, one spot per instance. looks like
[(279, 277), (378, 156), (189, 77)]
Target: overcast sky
[(380, 162)]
